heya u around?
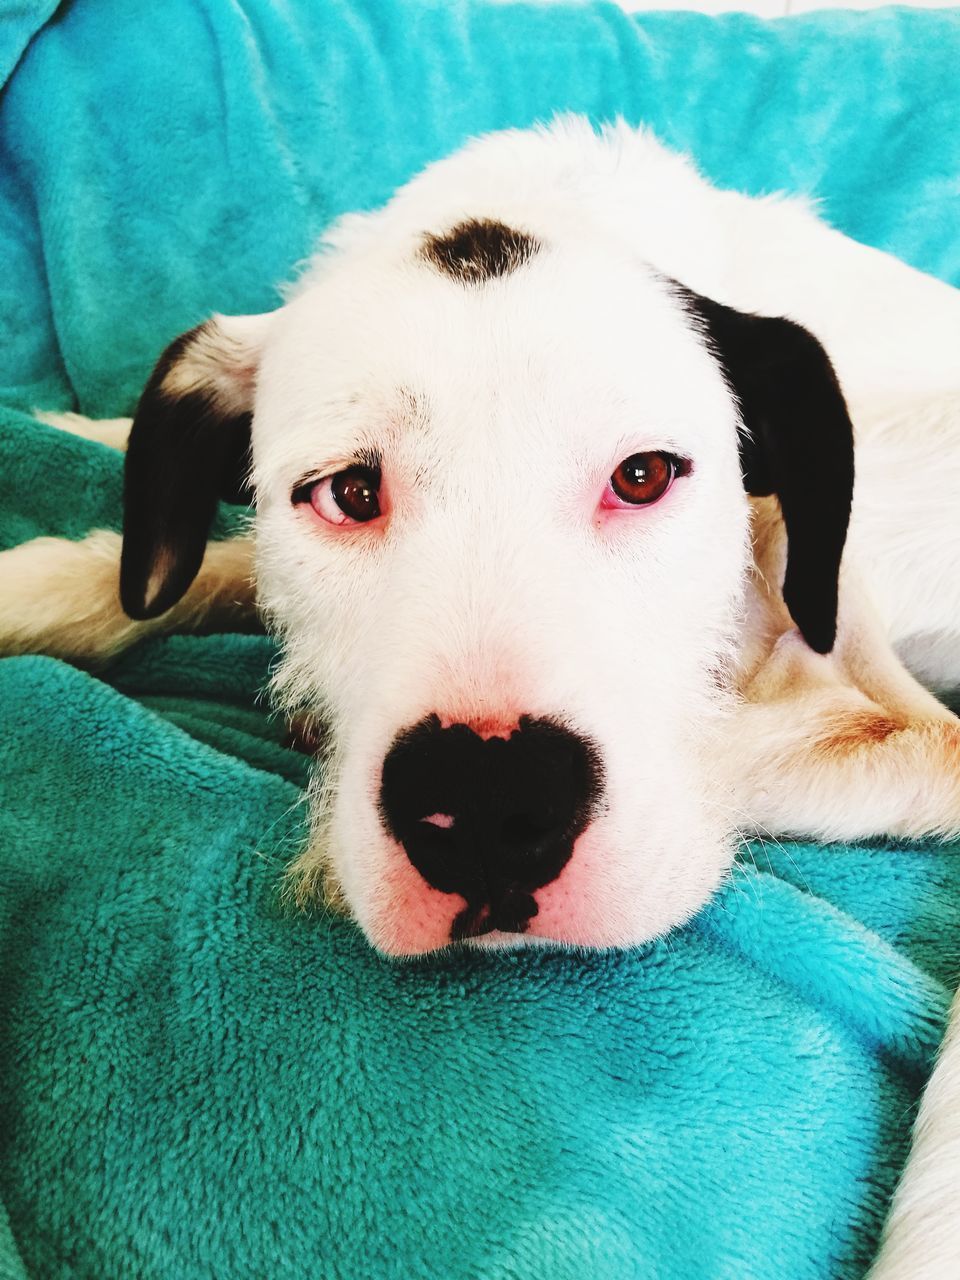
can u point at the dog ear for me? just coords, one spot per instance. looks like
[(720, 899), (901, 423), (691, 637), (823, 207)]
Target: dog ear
[(797, 443), (189, 448)]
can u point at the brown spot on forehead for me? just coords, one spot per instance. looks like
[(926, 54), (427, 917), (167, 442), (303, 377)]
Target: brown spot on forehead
[(479, 249)]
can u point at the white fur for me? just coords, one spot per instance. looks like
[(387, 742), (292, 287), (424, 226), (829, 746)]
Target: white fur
[(922, 1236), (499, 412), (494, 590)]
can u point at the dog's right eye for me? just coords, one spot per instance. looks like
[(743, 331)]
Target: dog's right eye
[(351, 496)]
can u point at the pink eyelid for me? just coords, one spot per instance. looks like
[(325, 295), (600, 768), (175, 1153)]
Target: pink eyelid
[(611, 501)]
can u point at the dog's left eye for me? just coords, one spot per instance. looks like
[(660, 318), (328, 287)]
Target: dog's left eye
[(351, 496), (642, 479)]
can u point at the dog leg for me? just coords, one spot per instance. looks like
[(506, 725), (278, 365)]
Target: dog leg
[(112, 432), (921, 1240), (62, 598), (820, 756), (838, 746)]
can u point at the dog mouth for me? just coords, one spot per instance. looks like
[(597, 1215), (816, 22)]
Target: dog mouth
[(476, 856), (495, 902), (510, 913), (404, 917)]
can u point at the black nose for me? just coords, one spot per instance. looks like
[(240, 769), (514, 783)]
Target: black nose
[(492, 819)]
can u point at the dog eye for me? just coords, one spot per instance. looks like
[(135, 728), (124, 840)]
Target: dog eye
[(643, 478), (351, 496)]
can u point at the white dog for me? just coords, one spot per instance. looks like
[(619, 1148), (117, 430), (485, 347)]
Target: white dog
[(550, 507)]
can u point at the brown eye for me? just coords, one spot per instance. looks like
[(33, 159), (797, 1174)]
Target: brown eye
[(643, 478), (356, 492), (351, 496)]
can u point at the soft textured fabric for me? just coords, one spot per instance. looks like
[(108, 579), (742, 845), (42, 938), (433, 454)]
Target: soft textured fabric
[(197, 1083)]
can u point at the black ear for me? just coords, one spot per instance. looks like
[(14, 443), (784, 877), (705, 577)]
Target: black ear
[(797, 443), (189, 448)]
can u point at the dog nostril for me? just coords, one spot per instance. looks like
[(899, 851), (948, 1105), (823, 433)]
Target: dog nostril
[(436, 838), (443, 821)]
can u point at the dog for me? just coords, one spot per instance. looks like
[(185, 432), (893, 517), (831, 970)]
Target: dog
[(602, 515)]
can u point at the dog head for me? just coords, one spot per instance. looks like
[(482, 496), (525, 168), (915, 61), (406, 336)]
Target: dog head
[(500, 467)]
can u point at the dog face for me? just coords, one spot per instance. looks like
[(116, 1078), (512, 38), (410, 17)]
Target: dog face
[(502, 534), (504, 586)]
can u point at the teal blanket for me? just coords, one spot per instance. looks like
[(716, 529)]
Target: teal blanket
[(196, 1083)]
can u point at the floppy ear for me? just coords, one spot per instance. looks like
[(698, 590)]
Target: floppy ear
[(797, 444), (189, 448)]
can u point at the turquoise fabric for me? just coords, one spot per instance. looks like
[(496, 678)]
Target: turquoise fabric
[(196, 1083)]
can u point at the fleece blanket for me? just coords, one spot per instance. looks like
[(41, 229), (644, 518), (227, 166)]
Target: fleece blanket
[(195, 1082)]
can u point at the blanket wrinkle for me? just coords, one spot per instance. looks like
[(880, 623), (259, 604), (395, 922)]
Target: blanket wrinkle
[(197, 1081), (820, 951)]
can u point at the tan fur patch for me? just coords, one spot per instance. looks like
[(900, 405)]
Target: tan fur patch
[(853, 730), (62, 598), (945, 741)]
